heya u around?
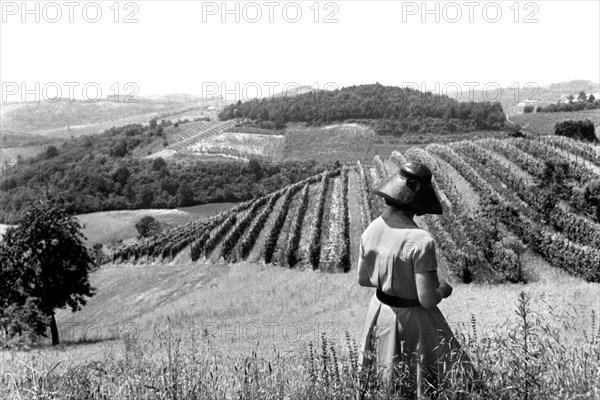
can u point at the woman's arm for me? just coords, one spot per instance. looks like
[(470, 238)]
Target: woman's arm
[(429, 292), (365, 270)]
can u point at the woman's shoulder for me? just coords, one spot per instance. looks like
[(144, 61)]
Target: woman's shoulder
[(412, 231)]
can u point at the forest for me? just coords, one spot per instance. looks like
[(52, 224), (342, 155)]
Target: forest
[(99, 173), (391, 110)]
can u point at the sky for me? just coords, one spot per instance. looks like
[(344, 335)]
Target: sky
[(243, 49)]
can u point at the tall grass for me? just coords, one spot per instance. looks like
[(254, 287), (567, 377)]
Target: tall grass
[(527, 358)]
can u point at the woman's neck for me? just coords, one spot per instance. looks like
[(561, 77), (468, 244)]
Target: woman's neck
[(400, 212)]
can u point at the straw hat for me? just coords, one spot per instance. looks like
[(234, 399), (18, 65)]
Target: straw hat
[(411, 189)]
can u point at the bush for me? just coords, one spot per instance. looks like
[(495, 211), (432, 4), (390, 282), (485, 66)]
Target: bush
[(580, 130), (148, 226)]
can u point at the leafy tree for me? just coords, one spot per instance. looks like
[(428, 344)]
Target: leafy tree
[(185, 196), (45, 266), (119, 149), (148, 226), (570, 98), (51, 152), (591, 99), (158, 164), (582, 97), (581, 130)]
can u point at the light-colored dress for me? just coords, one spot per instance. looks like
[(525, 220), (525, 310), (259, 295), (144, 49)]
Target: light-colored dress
[(408, 345)]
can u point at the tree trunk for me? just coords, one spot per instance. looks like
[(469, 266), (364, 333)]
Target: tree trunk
[(53, 330)]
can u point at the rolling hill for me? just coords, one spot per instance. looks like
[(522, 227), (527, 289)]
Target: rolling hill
[(315, 224)]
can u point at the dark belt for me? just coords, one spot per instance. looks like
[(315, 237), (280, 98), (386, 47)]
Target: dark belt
[(394, 301)]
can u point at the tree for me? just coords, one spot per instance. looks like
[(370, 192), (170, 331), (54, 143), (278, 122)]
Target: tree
[(185, 196), (51, 152), (158, 164), (582, 98), (46, 265), (148, 226), (570, 98), (591, 99)]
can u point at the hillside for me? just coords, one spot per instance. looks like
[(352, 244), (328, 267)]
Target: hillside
[(67, 119), (391, 110), (543, 123), (505, 179), (199, 303), (513, 98)]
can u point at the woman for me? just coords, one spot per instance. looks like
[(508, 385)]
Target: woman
[(406, 336)]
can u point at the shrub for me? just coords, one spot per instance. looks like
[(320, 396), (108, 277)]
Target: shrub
[(581, 130), (148, 226)]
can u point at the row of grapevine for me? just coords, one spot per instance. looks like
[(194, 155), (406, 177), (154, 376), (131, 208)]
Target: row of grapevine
[(536, 168), (170, 242), (291, 256), (365, 205), (215, 238), (554, 247), (203, 133), (377, 174), (448, 232), (343, 261), (559, 251), (397, 158), (196, 128), (336, 252), (577, 171), (380, 168), (528, 163), (575, 227), (477, 234), (236, 233), (242, 232), (199, 246), (584, 150), (315, 237), (275, 229), (257, 225), (166, 244)]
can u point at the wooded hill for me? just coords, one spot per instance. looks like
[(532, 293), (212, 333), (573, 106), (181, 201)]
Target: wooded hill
[(391, 110)]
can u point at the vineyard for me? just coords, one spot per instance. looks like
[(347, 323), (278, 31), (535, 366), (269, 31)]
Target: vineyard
[(500, 197), (199, 132)]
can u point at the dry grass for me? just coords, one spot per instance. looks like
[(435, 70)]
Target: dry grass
[(244, 331), (346, 143)]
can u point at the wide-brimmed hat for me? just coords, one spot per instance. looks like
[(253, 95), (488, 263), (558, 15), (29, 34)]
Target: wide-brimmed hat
[(411, 189)]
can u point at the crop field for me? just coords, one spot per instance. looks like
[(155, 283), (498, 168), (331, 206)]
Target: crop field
[(502, 178), (543, 123), (196, 301), (344, 142), (242, 146)]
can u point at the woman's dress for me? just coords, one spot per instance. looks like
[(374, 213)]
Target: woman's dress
[(412, 346)]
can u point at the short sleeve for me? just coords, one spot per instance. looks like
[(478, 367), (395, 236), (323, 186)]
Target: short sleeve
[(424, 258), (365, 268)]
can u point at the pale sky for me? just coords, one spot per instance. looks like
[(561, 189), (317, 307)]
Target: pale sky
[(185, 47)]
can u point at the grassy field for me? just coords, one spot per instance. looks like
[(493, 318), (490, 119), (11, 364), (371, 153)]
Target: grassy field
[(230, 316), (110, 226), (543, 123)]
